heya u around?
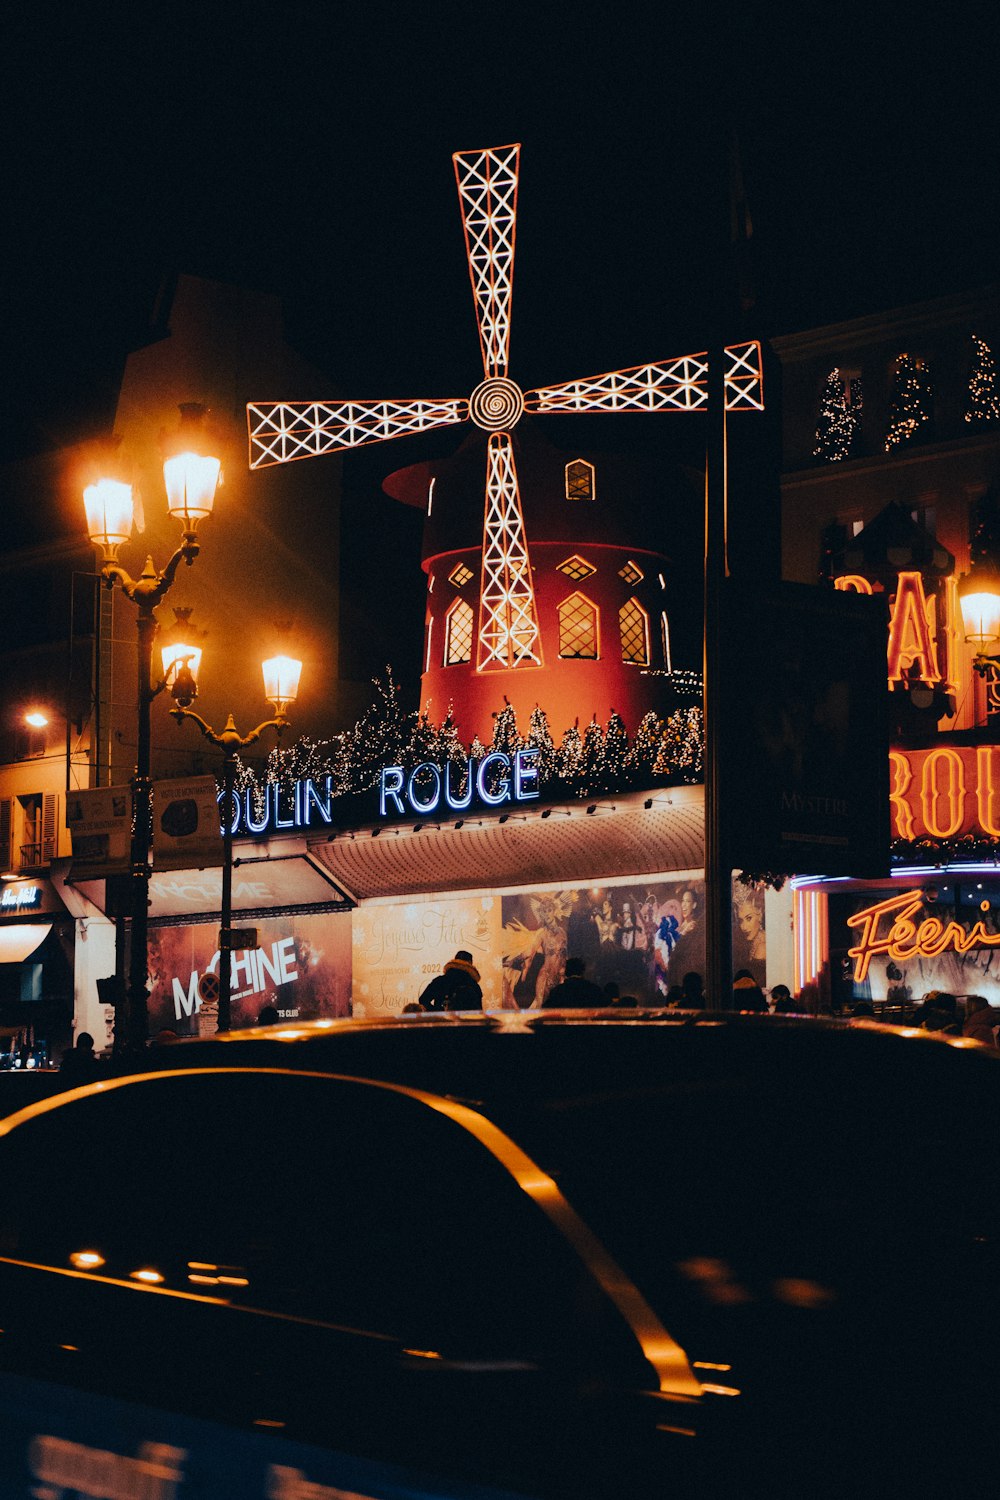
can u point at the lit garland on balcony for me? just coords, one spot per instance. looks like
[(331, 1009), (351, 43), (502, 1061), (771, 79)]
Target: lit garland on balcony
[(984, 385), (911, 404), (600, 759)]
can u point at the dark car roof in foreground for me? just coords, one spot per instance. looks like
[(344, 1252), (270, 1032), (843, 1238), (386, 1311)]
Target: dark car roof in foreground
[(506, 1055)]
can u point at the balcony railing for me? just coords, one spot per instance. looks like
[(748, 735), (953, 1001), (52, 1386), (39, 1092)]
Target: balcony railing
[(38, 855)]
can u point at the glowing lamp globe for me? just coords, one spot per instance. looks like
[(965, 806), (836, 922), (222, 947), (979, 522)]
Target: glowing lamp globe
[(281, 681), (191, 480), (979, 597), (178, 654), (108, 505), (36, 719)]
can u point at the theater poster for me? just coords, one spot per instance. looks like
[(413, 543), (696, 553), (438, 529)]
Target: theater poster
[(301, 966), (642, 937), (398, 949)]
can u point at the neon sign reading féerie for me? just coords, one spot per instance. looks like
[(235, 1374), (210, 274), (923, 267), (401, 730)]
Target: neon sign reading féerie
[(888, 928), (498, 778)]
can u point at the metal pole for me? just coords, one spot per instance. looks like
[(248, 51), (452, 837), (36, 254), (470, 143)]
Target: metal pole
[(225, 950), (718, 872), (137, 1019)]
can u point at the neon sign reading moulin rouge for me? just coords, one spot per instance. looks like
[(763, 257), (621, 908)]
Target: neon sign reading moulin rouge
[(888, 929), (498, 778)]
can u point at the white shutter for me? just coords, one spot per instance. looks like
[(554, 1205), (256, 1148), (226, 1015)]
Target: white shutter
[(50, 805)]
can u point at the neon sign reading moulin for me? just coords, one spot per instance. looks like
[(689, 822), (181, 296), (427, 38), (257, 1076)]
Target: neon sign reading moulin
[(903, 939), (498, 778)]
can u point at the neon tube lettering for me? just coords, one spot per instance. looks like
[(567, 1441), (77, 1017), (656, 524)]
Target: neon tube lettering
[(412, 788), (502, 794), (903, 940), (458, 804), (525, 773), (900, 810), (392, 785), (931, 792)]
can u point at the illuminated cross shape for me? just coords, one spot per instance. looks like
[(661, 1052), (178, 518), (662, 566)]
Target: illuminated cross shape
[(281, 431)]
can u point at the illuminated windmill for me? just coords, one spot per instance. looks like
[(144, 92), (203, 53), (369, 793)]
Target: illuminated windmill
[(281, 431)]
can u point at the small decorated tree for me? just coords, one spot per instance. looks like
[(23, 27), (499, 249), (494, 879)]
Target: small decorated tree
[(911, 407), (682, 746), (593, 769), (505, 735), (570, 766), (984, 385), (615, 751), (539, 738), (839, 418), (642, 754)]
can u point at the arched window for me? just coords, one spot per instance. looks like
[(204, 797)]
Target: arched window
[(578, 622), (580, 480), (665, 634), (633, 622), (458, 634)]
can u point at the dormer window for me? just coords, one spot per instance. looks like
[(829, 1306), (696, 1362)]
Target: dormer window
[(580, 480), (460, 575), (576, 567), (631, 573)]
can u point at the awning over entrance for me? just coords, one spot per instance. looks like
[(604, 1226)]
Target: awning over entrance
[(18, 940), (611, 838)]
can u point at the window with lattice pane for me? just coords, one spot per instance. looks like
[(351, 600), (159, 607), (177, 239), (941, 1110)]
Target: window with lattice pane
[(631, 572), (460, 575), (576, 567), (458, 634), (580, 480), (578, 627), (634, 625), (665, 635)]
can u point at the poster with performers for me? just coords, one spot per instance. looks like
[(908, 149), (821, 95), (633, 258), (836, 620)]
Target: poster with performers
[(301, 966), (399, 949), (642, 938)]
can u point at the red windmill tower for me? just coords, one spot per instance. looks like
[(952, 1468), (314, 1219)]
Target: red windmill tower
[(503, 630)]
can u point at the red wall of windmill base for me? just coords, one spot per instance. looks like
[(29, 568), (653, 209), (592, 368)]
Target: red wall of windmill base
[(568, 691)]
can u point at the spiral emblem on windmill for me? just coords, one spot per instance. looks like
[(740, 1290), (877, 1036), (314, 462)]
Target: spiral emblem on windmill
[(496, 404)]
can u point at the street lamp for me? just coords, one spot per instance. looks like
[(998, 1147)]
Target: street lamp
[(281, 686), (979, 599), (191, 476)]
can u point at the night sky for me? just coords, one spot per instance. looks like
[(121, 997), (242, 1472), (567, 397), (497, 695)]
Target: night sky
[(305, 149)]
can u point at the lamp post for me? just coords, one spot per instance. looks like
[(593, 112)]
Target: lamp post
[(281, 686), (191, 476)]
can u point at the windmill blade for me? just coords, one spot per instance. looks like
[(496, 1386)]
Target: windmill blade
[(487, 194), (677, 385), (744, 377), (508, 618), (281, 431)]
